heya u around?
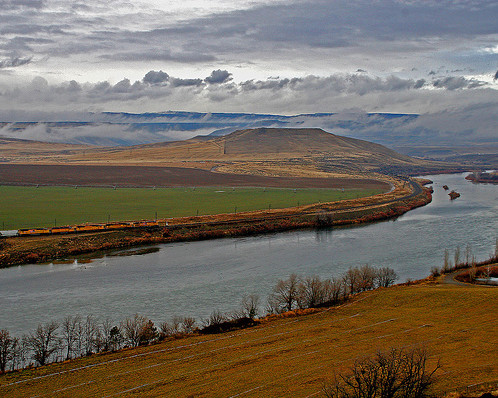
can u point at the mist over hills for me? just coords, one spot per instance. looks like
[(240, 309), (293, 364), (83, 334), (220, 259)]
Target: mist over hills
[(110, 128), (435, 136), (260, 151)]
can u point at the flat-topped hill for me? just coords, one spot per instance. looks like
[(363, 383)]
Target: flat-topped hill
[(303, 151), (303, 141)]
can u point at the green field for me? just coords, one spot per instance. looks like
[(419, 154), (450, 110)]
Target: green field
[(23, 207)]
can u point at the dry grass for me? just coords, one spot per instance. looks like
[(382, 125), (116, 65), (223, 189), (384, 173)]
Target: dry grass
[(269, 152), (292, 356)]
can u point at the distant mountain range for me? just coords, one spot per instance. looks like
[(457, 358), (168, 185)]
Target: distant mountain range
[(112, 128)]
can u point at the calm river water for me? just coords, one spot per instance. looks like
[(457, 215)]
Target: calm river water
[(193, 279)]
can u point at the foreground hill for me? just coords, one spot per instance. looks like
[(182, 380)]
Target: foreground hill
[(294, 356)]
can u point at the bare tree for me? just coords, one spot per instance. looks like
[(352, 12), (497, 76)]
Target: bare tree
[(333, 290), (170, 328), (215, 319), (70, 327), (188, 325), (457, 256), (311, 292), (132, 328), (105, 328), (164, 330), (90, 332), (468, 254), (351, 280), (367, 277), (447, 262), (44, 342), (17, 354), (397, 373), (385, 277), (5, 348), (148, 333), (250, 306), (80, 337), (285, 294)]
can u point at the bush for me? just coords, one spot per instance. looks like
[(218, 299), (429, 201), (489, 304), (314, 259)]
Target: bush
[(397, 373)]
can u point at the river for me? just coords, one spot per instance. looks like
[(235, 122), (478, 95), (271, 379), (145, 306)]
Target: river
[(195, 278)]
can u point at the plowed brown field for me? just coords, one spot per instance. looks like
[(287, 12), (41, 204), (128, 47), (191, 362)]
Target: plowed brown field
[(143, 176)]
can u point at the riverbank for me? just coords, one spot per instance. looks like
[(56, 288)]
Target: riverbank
[(294, 354), (483, 177), (39, 249)]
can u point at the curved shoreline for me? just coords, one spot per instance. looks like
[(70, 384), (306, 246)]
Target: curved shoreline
[(41, 249)]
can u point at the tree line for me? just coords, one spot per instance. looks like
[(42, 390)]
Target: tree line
[(311, 292), (464, 260), (76, 336)]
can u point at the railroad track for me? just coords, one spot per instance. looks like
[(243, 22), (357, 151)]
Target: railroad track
[(416, 190)]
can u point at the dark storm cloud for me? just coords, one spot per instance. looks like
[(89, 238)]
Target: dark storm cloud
[(419, 83), (351, 83), (218, 76), (141, 34), (176, 82), (16, 4), (155, 77), (27, 29), (344, 23), (454, 83), (308, 90), (13, 62)]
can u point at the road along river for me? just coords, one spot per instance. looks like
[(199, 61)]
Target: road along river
[(195, 278)]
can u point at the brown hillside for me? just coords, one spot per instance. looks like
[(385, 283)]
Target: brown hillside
[(264, 151), (12, 149), (298, 141)]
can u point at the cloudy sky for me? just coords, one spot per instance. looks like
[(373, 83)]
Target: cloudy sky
[(270, 56)]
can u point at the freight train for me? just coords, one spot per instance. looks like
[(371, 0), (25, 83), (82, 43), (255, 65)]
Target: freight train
[(82, 228)]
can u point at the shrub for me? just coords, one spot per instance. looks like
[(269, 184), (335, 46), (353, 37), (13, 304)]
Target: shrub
[(435, 271), (385, 277), (397, 373)]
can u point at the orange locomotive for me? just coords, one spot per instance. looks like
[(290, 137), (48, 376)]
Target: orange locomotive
[(87, 228)]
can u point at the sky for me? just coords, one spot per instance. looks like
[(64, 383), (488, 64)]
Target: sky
[(433, 57)]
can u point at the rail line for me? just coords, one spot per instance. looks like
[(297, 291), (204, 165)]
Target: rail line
[(417, 190), (166, 223)]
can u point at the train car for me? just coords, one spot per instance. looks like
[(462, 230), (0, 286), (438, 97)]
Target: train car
[(34, 231), (62, 230), (118, 225), (89, 227), (144, 224), (85, 228)]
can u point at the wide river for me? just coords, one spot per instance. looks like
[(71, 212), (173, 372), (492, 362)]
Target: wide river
[(195, 278)]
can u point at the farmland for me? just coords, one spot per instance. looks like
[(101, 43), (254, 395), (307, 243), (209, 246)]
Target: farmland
[(294, 356), (24, 207)]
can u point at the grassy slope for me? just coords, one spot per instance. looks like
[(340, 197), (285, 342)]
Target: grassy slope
[(293, 356), (24, 207), (252, 151)]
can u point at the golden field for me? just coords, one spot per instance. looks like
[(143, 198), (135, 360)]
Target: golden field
[(294, 355)]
